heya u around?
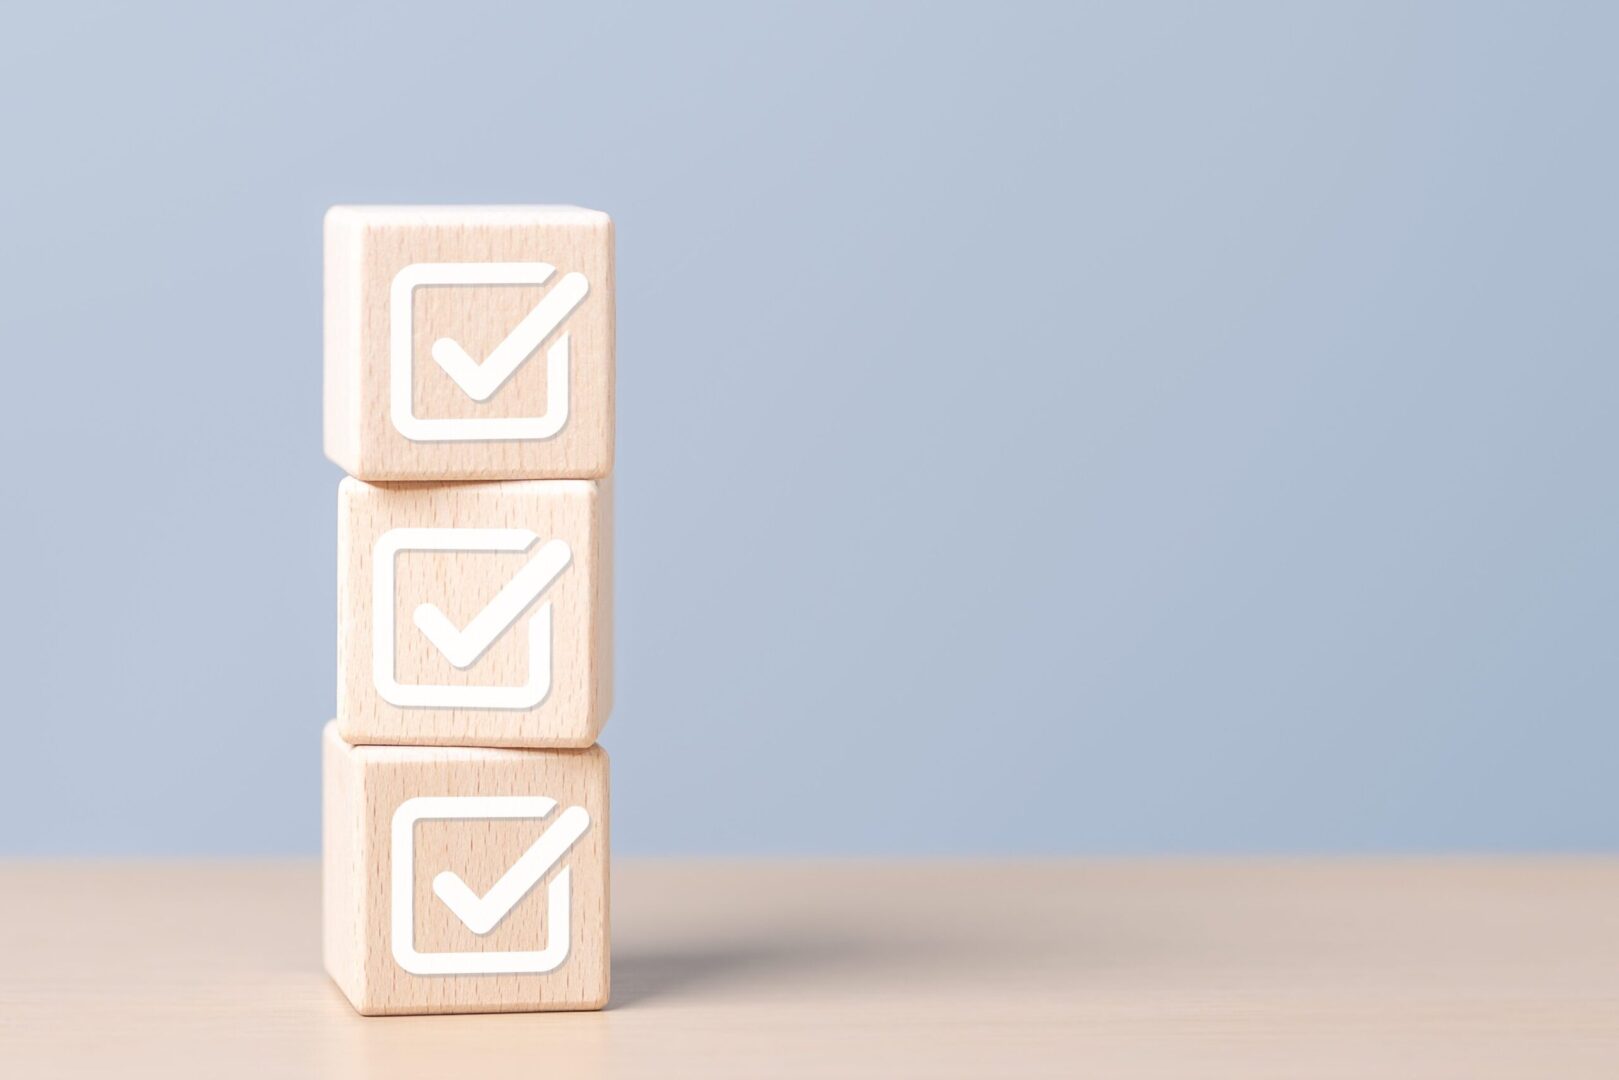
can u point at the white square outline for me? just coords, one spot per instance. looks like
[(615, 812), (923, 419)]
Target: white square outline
[(383, 624), (402, 914), (401, 358)]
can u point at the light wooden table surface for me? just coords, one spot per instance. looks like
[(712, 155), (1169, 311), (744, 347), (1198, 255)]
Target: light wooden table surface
[(1311, 969)]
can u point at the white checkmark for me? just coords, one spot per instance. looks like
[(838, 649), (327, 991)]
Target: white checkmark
[(481, 914), (480, 381), (463, 647)]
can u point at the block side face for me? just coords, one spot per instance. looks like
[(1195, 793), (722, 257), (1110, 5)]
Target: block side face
[(351, 591), (477, 817), (469, 615), (607, 448), (343, 861), (485, 343), (341, 371), (605, 615), (596, 996)]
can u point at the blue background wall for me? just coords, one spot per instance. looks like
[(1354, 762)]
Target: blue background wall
[(1130, 428)]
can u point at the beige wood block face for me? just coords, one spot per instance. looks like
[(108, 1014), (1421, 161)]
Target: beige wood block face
[(470, 342), (465, 880), (474, 614)]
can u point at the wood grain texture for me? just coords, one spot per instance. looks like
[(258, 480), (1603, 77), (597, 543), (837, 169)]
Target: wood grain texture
[(365, 785), (367, 246), (580, 696), (1475, 969)]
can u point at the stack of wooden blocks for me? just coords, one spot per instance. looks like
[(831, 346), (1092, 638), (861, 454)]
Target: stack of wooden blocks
[(469, 396)]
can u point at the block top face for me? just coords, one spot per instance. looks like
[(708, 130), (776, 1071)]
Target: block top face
[(469, 342)]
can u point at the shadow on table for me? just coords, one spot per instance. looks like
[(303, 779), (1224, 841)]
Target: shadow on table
[(644, 975)]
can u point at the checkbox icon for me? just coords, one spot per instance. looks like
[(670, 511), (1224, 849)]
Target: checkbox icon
[(482, 914), (463, 646), (481, 379)]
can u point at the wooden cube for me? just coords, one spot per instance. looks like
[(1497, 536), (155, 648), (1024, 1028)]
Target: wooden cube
[(465, 880), (474, 614), (469, 342)]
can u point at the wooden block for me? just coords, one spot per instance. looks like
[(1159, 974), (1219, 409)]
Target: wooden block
[(474, 614), (465, 880), (469, 342)]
